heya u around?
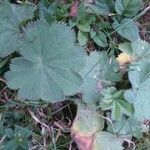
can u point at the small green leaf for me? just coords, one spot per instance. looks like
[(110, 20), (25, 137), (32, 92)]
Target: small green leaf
[(100, 39), (92, 33), (84, 27), (9, 133), (99, 7), (91, 93), (82, 38), (128, 8), (127, 29)]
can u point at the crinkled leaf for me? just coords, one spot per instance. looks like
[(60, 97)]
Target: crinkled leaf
[(114, 100), (10, 17), (48, 67), (139, 76), (128, 8), (106, 141), (127, 28)]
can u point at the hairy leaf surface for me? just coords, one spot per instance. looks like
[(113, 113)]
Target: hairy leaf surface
[(48, 67), (10, 17), (139, 77)]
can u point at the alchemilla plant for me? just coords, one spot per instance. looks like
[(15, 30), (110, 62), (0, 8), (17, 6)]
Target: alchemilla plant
[(77, 67)]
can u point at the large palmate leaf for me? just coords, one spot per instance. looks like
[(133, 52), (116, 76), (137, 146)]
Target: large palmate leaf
[(139, 77), (98, 73), (48, 67), (100, 66), (10, 17), (127, 28), (128, 8), (114, 100)]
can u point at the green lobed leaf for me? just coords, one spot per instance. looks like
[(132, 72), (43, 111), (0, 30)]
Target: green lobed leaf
[(100, 66), (9, 24), (48, 68), (98, 73), (139, 76), (126, 128), (114, 100), (106, 141), (127, 8), (127, 28), (137, 50)]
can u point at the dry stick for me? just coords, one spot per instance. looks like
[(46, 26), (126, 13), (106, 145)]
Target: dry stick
[(2, 80), (2, 139), (50, 129), (38, 121)]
